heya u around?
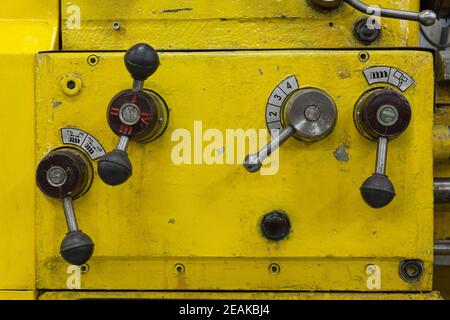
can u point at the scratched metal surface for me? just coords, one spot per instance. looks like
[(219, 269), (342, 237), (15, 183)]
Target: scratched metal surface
[(75, 295)]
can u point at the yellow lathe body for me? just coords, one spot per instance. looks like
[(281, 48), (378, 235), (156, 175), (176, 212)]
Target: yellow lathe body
[(190, 222)]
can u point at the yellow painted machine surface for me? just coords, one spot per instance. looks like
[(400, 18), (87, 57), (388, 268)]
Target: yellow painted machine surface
[(206, 217), (188, 222), (26, 28), (72, 295), (251, 24)]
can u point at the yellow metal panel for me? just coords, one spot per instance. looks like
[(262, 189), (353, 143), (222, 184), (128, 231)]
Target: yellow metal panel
[(17, 295), (206, 217), (29, 10), (25, 28), (198, 24), (17, 218), (28, 26), (74, 295)]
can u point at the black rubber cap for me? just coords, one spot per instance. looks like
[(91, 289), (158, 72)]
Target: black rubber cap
[(377, 191), (141, 61), (114, 168), (275, 225), (77, 248)]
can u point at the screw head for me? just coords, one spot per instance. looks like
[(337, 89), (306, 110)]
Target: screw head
[(312, 113), (367, 30), (116, 25)]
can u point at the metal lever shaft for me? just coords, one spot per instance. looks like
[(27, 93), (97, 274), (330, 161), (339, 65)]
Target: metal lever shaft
[(69, 213), (425, 17), (381, 156), (253, 162)]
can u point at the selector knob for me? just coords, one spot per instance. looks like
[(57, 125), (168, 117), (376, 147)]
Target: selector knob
[(66, 174), (135, 114), (308, 114), (141, 61), (381, 115)]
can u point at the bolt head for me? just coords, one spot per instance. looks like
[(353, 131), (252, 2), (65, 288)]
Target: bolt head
[(312, 113), (56, 176)]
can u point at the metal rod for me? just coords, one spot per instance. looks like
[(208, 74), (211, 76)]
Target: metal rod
[(123, 143), (442, 247), (138, 85), (380, 167), (426, 17), (69, 212), (253, 162), (441, 190)]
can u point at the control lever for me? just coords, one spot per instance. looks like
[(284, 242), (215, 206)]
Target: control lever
[(381, 115), (308, 114), (253, 162), (425, 17), (66, 174), (135, 114)]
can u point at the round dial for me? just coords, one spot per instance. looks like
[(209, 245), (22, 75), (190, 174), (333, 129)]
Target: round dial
[(142, 116), (64, 172), (310, 111), (382, 113)]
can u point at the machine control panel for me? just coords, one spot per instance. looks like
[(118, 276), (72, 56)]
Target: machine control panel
[(192, 212)]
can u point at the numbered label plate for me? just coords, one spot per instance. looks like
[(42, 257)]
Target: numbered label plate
[(390, 75), (83, 140), (276, 101)]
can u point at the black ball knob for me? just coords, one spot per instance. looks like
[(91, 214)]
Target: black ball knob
[(77, 248), (115, 168), (275, 225), (141, 61), (377, 191)]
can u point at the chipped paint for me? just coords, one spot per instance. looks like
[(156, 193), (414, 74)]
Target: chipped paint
[(176, 10), (56, 104), (341, 154), (344, 73)]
